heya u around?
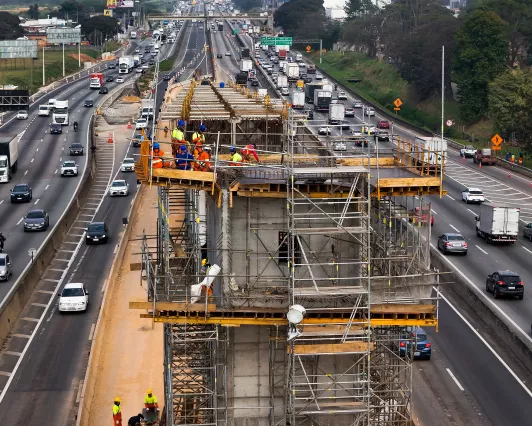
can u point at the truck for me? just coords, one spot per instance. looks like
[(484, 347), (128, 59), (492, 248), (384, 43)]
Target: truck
[(292, 72), (484, 156), (220, 27), (242, 78), (133, 35), (298, 100), (262, 92), (165, 22), (282, 47), (125, 64), (498, 223), (244, 53), (96, 80), (429, 150), (336, 113), (252, 74), (147, 108), (322, 100), (283, 66), (136, 60), (60, 115), (8, 157), (282, 81), (299, 57), (310, 88), (256, 28), (246, 65), (282, 54)]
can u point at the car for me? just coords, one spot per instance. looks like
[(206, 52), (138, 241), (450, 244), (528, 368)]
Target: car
[(142, 60), (358, 138), (120, 79), (6, 267), (119, 187), (340, 146), (145, 66), (152, 43), (527, 233), (36, 220), (452, 243), (383, 124), (275, 75), (110, 78), (302, 64), (505, 283), (153, 54), (324, 130), (307, 79), (142, 123), (147, 50), (227, 53), (21, 192), (345, 125), (276, 61), (369, 112), (423, 348), (311, 70), (468, 151), (310, 114), (139, 71), (22, 115), (73, 298), (103, 90), (56, 129), (285, 91), (358, 104), (368, 130), (69, 168), (166, 77), (382, 135), (472, 195), (272, 58), (88, 103), (76, 149), (269, 70), (342, 95), (318, 76), (349, 112), (152, 62), (302, 75), (254, 82), (97, 232), (219, 55), (137, 50), (128, 165)]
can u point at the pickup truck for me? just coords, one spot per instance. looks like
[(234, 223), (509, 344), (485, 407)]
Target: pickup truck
[(484, 156), (468, 151), (69, 168)]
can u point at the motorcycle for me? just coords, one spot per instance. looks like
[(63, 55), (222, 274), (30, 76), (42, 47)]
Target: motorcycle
[(76, 126)]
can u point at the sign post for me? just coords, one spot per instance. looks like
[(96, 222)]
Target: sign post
[(496, 141), (397, 104)]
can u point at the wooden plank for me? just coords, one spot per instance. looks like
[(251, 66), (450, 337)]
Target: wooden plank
[(399, 308), (172, 306), (408, 182), (331, 330), (332, 348), (183, 174), (135, 266), (383, 161), (339, 403)]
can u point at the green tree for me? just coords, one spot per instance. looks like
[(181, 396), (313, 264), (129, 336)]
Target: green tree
[(245, 5), (510, 105), (10, 27), (359, 8), (33, 11), (295, 13), (481, 53), (99, 28)]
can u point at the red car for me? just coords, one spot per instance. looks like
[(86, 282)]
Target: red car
[(383, 124)]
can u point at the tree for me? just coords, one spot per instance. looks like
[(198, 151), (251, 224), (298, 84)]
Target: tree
[(99, 27), (359, 8), (481, 52), (291, 15), (72, 9), (510, 104), (33, 11), (245, 5), (10, 27)]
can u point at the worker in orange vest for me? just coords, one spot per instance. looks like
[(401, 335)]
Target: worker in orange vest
[(248, 151), (202, 163), (117, 413), (158, 153)]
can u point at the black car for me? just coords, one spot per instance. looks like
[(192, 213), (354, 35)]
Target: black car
[(142, 60), (110, 78), (505, 283), (166, 77), (103, 90), (219, 55), (55, 129), (254, 82), (310, 114), (21, 193), (308, 79), (88, 103), (97, 232), (111, 66), (36, 220), (152, 62), (76, 149)]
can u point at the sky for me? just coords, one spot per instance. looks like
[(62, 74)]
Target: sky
[(334, 3)]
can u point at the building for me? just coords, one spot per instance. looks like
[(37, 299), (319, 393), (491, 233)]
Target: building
[(335, 13), (40, 25)]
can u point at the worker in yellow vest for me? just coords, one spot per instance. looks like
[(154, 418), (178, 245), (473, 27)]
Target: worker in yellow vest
[(199, 136), (178, 137), (117, 413)]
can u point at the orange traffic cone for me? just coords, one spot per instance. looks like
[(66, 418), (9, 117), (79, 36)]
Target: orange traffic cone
[(480, 164), (110, 139), (129, 125)]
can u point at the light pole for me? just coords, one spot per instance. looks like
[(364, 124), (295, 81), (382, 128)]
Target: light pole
[(63, 59), (43, 78)]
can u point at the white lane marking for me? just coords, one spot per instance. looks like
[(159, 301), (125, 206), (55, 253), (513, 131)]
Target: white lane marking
[(530, 251), (481, 249), (78, 396), (37, 150), (472, 211), (91, 334), (25, 173), (1, 201), (521, 383), (450, 197), (454, 227), (455, 379), (56, 171), (46, 187), (36, 201), (32, 160), (21, 219), (433, 211)]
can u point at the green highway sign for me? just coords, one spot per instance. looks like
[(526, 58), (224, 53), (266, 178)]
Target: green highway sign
[(235, 30), (276, 41)]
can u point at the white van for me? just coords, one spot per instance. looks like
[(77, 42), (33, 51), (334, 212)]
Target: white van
[(44, 110)]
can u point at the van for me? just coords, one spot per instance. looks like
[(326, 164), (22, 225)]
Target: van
[(44, 111)]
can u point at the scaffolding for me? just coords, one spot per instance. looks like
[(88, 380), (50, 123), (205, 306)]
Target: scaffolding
[(341, 237)]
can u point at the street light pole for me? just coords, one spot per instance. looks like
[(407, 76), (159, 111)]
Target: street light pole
[(43, 78), (63, 59)]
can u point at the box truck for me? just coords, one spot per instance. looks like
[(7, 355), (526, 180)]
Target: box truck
[(246, 65), (298, 100), (497, 223), (310, 88), (60, 115), (282, 54), (8, 156), (292, 72), (336, 113), (125, 64), (282, 81), (96, 80), (430, 150), (322, 100)]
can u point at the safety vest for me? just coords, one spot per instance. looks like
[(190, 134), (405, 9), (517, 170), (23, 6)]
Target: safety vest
[(175, 132), (179, 135), (157, 162), (237, 158), (150, 399), (196, 137), (116, 409)]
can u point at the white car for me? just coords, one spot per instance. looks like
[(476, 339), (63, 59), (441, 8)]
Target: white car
[(22, 115), (128, 165), (137, 50), (119, 79), (340, 146), (69, 168), (152, 43), (473, 195), (74, 297), (369, 112), (342, 95), (141, 123), (325, 130), (302, 64), (119, 187), (468, 151), (358, 104), (319, 76), (227, 53), (368, 130), (285, 91)]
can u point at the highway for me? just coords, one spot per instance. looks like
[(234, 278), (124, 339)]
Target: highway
[(45, 386)]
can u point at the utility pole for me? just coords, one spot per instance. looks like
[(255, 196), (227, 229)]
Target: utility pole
[(321, 49), (63, 59), (442, 116), (43, 78)]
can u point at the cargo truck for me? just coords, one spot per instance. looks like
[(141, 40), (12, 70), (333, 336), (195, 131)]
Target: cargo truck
[(429, 150), (484, 156), (246, 65), (8, 157), (96, 80), (133, 35), (136, 61), (125, 64), (498, 223), (282, 81), (336, 113), (147, 108), (244, 53), (298, 100), (282, 54), (220, 27), (322, 100), (60, 115), (242, 78), (292, 72), (309, 91)]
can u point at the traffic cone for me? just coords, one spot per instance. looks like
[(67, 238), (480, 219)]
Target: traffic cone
[(509, 175), (129, 125), (480, 164), (110, 139)]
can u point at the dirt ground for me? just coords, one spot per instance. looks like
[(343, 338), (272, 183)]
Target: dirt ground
[(84, 57), (132, 351)]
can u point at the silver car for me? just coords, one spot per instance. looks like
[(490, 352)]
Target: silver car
[(6, 268), (452, 243)]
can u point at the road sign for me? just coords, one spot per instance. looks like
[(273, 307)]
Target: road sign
[(235, 30), (397, 109), (496, 140), (496, 147), (398, 102), (308, 48), (276, 41), (449, 123), (300, 83)]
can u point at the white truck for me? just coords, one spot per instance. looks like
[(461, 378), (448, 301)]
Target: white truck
[(292, 72), (336, 113), (147, 108), (246, 65), (262, 92), (282, 81), (299, 57), (498, 223), (133, 35), (430, 150), (298, 100), (60, 115), (256, 29), (8, 157), (125, 64)]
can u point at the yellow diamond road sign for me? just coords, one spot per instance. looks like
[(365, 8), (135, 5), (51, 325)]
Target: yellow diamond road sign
[(398, 102), (496, 140)]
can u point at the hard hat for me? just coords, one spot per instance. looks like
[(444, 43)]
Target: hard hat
[(183, 147), (207, 147), (202, 127), (117, 399), (203, 262), (149, 391), (156, 145), (181, 123), (232, 149), (199, 143)]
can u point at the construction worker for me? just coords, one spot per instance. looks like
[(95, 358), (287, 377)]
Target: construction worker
[(248, 151), (205, 266), (150, 401), (198, 135), (135, 420), (202, 163), (165, 131), (158, 157), (184, 158), (178, 137), (117, 412), (236, 158)]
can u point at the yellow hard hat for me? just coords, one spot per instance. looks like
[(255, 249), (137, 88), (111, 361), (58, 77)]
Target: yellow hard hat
[(203, 262), (117, 399), (149, 391)]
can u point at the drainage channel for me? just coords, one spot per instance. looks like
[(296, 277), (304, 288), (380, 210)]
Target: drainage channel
[(57, 271)]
